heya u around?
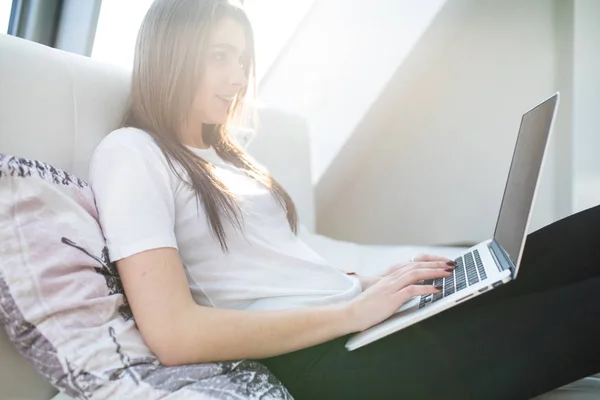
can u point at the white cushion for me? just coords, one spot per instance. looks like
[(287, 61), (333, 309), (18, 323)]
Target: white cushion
[(56, 107)]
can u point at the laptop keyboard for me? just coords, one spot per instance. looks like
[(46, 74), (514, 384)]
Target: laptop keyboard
[(469, 270)]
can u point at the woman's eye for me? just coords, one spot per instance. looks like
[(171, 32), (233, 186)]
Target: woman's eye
[(220, 56)]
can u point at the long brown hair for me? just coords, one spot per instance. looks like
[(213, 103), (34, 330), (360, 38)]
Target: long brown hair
[(166, 70)]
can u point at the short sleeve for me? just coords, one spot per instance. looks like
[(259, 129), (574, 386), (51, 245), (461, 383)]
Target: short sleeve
[(132, 188)]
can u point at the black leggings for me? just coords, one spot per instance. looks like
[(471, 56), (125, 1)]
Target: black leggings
[(520, 340)]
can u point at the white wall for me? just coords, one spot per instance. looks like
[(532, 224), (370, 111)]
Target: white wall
[(435, 166), (586, 104), (563, 130), (338, 62)]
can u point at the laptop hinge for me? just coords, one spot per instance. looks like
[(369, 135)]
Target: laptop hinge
[(503, 262)]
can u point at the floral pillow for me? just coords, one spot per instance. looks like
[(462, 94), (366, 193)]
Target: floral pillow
[(63, 307)]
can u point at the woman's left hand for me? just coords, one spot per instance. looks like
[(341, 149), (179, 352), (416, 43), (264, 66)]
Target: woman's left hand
[(421, 258), (367, 281)]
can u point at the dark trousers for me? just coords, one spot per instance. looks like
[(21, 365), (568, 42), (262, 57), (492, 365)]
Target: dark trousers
[(520, 340)]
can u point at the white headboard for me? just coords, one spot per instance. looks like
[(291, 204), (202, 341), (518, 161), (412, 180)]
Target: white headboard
[(56, 107)]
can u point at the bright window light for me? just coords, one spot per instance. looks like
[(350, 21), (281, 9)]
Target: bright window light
[(120, 20), (5, 6), (116, 32), (274, 23)]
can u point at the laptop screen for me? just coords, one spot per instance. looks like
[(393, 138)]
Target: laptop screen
[(523, 177)]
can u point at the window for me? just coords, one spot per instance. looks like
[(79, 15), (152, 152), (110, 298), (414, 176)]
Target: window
[(5, 7), (116, 32), (120, 20), (272, 34)]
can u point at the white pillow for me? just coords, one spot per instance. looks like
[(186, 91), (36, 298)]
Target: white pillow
[(63, 307)]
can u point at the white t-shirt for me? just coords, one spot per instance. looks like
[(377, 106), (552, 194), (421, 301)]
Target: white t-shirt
[(143, 206)]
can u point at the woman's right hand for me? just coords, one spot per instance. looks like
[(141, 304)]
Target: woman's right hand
[(384, 298)]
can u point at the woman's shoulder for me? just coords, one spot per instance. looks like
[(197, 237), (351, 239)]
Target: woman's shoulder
[(129, 137), (128, 146), (129, 141)]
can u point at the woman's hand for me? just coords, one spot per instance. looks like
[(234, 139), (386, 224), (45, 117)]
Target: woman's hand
[(368, 281), (391, 291), (421, 258)]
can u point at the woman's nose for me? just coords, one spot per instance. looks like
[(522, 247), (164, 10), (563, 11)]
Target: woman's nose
[(237, 77)]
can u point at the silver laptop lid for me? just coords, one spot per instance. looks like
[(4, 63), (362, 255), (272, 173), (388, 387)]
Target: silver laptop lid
[(523, 178)]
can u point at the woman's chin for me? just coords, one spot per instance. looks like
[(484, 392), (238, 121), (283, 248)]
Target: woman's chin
[(217, 121), (220, 117)]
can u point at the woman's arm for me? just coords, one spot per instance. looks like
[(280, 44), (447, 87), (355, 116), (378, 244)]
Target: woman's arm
[(365, 281), (179, 331)]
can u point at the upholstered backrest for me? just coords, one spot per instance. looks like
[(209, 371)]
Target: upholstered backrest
[(56, 107)]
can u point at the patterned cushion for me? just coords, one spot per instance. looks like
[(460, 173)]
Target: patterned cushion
[(63, 307)]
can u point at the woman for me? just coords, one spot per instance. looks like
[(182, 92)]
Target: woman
[(204, 240)]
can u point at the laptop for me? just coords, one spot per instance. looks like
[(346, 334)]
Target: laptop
[(493, 262)]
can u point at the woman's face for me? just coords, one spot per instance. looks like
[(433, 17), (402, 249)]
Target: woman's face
[(225, 63)]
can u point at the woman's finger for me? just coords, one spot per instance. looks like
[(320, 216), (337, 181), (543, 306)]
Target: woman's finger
[(416, 290), (436, 265), (430, 257), (415, 275)]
